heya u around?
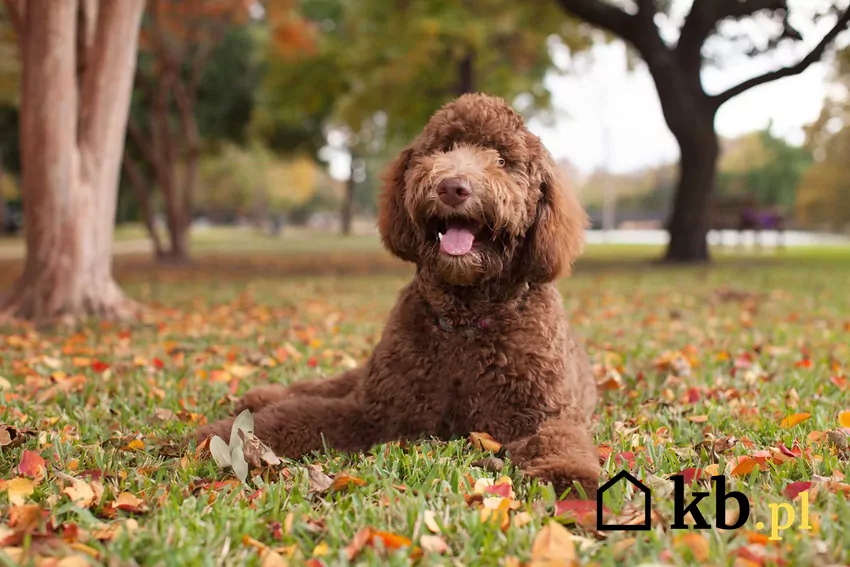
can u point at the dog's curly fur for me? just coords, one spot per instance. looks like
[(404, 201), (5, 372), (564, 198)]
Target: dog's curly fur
[(523, 378)]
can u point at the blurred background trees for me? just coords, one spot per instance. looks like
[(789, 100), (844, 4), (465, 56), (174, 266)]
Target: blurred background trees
[(273, 113)]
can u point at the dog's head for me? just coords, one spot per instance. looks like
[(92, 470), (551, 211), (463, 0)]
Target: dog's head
[(477, 197)]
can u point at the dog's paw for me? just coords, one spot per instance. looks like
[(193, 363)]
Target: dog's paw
[(259, 397), (564, 474)]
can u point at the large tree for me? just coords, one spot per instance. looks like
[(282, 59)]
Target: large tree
[(79, 57), (676, 68)]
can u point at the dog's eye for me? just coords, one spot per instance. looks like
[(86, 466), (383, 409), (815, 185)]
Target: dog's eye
[(500, 161)]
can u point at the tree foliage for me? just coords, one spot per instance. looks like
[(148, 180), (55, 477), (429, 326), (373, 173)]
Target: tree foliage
[(824, 191)]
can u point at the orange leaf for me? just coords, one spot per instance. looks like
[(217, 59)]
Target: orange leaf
[(344, 481), (745, 466), (32, 465), (844, 419), (554, 543), (390, 541), (484, 442), (794, 419), (697, 543)]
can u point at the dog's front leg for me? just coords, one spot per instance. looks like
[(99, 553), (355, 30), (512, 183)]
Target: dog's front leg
[(560, 452), (299, 425)]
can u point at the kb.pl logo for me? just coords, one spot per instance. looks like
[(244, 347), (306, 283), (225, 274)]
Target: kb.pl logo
[(721, 498)]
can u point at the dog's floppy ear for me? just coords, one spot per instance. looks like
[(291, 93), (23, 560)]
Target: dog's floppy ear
[(395, 226), (556, 238)]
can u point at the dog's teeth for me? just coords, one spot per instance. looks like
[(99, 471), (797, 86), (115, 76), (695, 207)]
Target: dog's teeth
[(440, 236)]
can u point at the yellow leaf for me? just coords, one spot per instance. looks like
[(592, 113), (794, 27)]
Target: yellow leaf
[(794, 419), (484, 442), (135, 445), (697, 543), (554, 543), (844, 419), (321, 550), (18, 489)]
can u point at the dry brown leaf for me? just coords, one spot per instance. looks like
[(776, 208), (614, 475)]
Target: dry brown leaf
[(13, 436), (257, 454), (318, 480), (26, 518)]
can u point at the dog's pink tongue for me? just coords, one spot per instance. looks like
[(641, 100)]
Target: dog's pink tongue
[(457, 241)]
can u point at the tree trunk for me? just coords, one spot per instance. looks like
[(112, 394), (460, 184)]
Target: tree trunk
[(466, 74), (689, 222), (72, 140), (348, 199), (140, 187)]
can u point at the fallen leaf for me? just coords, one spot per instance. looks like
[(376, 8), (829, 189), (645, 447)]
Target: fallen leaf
[(430, 520), (696, 543), (360, 540), (844, 419), (80, 492), (484, 442), (318, 481), (220, 451), (18, 489), (163, 414), (793, 489), (343, 481), (554, 543), (579, 511), (25, 519), (391, 541), (13, 437), (794, 419), (257, 454), (271, 558), (433, 544), (128, 503), (32, 465), (745, 466)]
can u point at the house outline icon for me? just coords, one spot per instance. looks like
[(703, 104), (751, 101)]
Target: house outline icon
[(646, 526)]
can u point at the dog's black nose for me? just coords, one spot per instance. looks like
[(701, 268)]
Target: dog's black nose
[(453, 191)]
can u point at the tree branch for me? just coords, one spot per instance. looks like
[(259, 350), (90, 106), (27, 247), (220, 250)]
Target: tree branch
[(604, 16), (813, 56)]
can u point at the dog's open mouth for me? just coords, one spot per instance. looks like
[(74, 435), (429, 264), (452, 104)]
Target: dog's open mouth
[(457, 236)]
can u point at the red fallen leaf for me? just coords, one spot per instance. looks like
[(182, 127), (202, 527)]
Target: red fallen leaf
[(158, 364), (792, 490), (312, 362), (839, 381), (32, 465), (745, 466), (604, 451), (804, 363), (691, 474), (577, 510), (625, 457), (746, 554), (314, 562), (99, 366), (796, 452), (503, 490), (694, 395)]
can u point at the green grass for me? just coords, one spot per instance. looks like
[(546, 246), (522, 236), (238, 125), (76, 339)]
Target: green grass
[(777, 311)]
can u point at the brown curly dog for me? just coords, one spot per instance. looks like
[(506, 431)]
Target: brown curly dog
[(479, 340)]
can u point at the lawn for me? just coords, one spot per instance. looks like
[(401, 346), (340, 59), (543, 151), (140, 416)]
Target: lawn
[(738, 369)]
